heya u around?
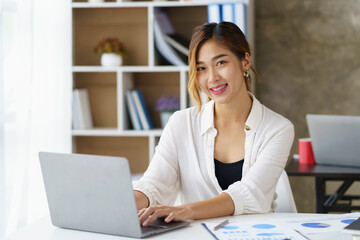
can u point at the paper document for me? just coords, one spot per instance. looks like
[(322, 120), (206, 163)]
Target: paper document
[(259, 230), (322, 223)]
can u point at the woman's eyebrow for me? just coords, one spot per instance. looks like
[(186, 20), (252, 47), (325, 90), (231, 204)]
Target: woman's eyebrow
[(219, 56), (214, 58)]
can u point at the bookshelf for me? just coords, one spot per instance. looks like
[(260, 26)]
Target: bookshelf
[(132, 23)]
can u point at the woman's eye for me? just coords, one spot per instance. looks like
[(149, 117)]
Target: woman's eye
[(200, 68), (220, 63)]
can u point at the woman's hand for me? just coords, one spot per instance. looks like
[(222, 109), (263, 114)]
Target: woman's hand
[(150, 214), (221, 205)]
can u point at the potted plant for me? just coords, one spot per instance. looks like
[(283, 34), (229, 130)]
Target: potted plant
[(167, 105), (112, 51)]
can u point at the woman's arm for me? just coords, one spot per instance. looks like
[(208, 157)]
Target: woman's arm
[(141, 200), (160, 182), (255, 192), (221, 205)]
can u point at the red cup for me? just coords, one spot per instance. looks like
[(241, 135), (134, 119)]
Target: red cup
[(306, 155)]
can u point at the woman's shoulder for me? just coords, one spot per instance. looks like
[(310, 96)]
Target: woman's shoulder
[(274, 117), (264, 117), (275, 121), (184, 113), (181, 117), (191, 117), (193, 112)]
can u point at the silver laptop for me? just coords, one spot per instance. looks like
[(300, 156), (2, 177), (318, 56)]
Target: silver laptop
[(335, 139), (94, 193)]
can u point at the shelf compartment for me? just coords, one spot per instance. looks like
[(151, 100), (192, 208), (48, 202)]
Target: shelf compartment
[(153, 86), (91, 25), (102, 95), (183, 19), (135, 149)]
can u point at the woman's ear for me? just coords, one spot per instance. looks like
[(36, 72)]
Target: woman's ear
[(246, 63)]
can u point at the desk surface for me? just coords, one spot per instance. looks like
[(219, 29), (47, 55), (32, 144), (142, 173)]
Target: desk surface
[(338, 201), (296, 169), (42, 229)]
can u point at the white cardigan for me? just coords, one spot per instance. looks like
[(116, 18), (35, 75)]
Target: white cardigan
[(184, 160)]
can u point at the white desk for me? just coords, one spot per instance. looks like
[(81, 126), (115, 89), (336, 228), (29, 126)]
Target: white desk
[(44, 230)]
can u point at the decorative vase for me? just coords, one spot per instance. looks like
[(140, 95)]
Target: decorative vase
[(111, 59), (164, 117)]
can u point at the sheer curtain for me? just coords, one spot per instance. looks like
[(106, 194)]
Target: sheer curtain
[(35, 107)]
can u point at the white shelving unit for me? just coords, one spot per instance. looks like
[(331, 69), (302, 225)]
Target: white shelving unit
[(132, 23)]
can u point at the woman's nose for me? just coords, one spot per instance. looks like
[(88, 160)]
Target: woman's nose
[(213, 75)]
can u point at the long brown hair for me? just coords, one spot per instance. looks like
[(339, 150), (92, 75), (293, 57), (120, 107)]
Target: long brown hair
[(227, 35)]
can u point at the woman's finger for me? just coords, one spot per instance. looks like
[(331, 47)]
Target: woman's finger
[(148, 212), (141, 211), (158, 213), (170, 217)]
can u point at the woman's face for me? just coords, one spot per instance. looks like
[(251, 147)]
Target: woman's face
[(220, 72)]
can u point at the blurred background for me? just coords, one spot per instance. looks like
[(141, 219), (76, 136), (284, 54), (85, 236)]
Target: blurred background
[(306, 52)]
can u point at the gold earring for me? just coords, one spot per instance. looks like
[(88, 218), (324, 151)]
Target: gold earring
[(246, 74)]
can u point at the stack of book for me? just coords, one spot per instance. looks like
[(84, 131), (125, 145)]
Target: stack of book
[(82, 118), (138, 112)]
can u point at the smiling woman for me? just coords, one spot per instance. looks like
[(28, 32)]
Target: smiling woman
[(234, 43), (223, 157), (220, 72)]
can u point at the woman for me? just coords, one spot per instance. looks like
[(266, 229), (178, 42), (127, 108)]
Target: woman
[(224, 157)]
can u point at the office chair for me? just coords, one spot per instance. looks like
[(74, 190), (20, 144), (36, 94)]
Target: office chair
[(285, 200)]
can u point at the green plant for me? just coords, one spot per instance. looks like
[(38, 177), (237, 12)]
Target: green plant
[(110, 45)]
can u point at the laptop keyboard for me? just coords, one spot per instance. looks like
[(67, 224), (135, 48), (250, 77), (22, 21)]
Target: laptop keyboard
[(150, 229), (160, 225)]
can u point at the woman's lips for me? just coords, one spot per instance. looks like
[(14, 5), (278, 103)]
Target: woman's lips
[(217, 90)]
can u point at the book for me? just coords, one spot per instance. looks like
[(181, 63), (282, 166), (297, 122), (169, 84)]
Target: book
[(142, 110), (240, 16), (76, 111), (162, 26), (214, 12), (75, 118), (228, 12), (82, 111), (134, 117), (178, 42), (353, 228)]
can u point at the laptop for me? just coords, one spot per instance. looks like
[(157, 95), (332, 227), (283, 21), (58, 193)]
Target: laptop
[(94, 193), (335, 139)]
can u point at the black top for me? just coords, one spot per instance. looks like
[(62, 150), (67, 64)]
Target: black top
[(228, 173)]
